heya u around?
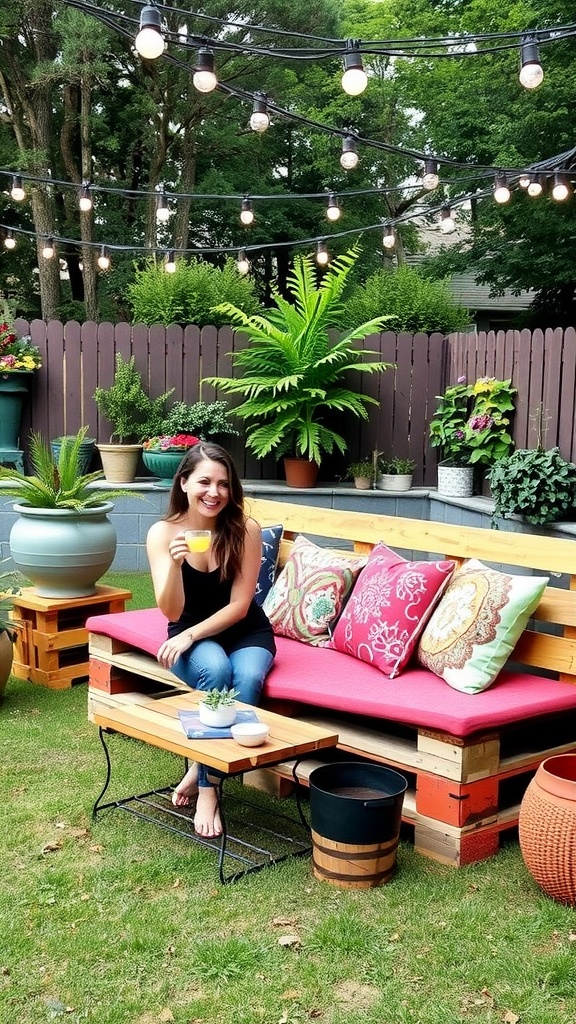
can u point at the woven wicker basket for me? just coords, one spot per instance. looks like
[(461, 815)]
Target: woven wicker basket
[(547, 827)]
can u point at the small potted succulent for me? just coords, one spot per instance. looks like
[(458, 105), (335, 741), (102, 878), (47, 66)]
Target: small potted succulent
[(362, 474), (218, 708), (394, 474)]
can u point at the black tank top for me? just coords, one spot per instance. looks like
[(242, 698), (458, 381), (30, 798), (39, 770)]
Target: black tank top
[(204, 594)]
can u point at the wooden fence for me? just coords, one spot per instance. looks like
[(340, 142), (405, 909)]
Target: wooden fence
[(79, 357)]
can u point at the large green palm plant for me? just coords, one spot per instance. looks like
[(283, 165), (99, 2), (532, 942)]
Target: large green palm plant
[(292, 375)]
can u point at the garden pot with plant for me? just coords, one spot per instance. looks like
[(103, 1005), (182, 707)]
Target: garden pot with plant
[(133, 416), (537, 484), (63, 541), (19, 358), (394, 474), (362, 474), (218, 708), (292, 375)]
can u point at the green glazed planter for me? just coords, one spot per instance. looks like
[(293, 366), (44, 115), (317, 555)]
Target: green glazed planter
[(13, 389), (163, 464)]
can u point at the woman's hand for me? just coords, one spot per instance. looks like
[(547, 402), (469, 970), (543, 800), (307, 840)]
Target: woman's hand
[(178, 549), (172, 648)]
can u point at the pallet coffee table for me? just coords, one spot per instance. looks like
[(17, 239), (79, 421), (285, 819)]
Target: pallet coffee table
[(154, 720)]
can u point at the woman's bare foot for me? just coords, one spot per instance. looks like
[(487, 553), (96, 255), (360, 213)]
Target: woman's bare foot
[(187, 789), (207, 820)]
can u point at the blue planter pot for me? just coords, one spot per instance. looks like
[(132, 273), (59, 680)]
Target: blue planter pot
[(13, 390), (162, 464)]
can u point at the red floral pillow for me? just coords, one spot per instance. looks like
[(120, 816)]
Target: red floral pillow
[(388, 609)]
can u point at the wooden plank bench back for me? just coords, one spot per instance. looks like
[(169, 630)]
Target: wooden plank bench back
[(528, 552)]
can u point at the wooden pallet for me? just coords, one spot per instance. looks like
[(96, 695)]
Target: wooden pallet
[(51, 646)]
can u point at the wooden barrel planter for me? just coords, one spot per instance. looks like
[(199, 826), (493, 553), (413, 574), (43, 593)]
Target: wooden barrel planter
[(355, 811)]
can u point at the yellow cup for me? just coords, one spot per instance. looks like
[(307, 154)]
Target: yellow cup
[(197, 540)]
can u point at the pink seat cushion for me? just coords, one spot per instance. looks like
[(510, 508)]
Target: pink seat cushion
[(329, 679)]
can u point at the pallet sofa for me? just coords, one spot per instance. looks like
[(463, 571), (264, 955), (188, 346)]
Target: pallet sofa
[(467, 758)]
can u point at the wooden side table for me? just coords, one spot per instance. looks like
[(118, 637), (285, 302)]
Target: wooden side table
[(52, 642)]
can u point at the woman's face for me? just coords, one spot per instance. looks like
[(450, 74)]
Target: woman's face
[(207, 488)]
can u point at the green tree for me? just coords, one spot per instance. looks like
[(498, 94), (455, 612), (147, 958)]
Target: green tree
[(413, 302)]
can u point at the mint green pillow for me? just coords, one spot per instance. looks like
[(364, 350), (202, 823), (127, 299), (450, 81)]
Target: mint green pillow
[(477, 623)]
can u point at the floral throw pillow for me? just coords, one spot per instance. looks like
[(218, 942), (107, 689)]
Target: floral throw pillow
[(309, 593), (474, 629), (271, 537), (388, 609)]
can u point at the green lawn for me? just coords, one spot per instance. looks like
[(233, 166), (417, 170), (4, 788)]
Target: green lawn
[(117, 922)]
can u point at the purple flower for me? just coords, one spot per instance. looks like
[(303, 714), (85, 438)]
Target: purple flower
[(479, 423), (462, 379), (459, 435)]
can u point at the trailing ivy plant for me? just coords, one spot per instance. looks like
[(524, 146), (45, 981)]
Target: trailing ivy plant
[(533, 483)]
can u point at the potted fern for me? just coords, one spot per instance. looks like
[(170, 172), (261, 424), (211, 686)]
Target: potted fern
[(63, 540), (292, 375)]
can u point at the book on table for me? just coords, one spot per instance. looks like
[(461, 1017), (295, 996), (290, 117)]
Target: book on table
[(196, 730)]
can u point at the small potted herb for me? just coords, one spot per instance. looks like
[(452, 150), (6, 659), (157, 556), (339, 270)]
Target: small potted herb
[(394, 474), (218, 708), (362, 474)]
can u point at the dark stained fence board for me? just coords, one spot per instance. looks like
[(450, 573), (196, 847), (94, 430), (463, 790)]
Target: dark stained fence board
[(567, 396)]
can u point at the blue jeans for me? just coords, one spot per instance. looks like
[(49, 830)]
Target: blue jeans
[(206, 666)]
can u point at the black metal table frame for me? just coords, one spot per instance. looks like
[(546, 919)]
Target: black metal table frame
[(141, 805)]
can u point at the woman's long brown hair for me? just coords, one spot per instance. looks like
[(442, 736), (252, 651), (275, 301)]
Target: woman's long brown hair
[(229, 536)]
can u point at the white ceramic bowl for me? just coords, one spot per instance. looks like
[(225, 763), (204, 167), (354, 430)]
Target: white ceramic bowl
[(250, 734)]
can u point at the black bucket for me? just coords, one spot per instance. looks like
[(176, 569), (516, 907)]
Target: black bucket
[(355, 812)]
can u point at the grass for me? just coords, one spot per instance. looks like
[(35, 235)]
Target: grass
[(117, 922)]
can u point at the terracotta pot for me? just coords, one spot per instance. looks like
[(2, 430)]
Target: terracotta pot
[(300, 472), (547, 827), (362, 483), (6, 652)]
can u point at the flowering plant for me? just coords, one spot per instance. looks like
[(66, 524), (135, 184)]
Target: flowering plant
[(470, 424), (171, 442), (17, 353)]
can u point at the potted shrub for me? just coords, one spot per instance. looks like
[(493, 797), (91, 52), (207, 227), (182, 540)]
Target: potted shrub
[(63, 540), (394, 474), (133, 416), (292, 375), (471, 426), (218, 708), (536, 484), (19, 358), (207, 420), (362, 474)]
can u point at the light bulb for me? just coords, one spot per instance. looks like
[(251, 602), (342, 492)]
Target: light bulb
[(430, 179), (354, 79), (150, 42), (389, 239), (259, 120), (349, 158), (535, 187), (162, 211), (561, 188), (104, 259), (204, 78), (322, 255), (501, 190), (85, 202), (524, 180), (9, 241), (48, 249), (170, 264), (246, 213), (531, 73), (17, 192), (333, 211), (447, 221), (242, 263)]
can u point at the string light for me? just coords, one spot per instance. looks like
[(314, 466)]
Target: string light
[(204, 78), (246, 213), (531, 73), (150, 42), (48, 249), (243, 263), (104, 259), (9, 240), (501, 190), (17, 191), (162, 211), (333, 210), (322, 255), (446, 220), (260, 120), (524, 180), (349, 158), (170, 262), (536, 185), (389, 238), (354, 79), (85, 202), (561, 187), (430, 179)]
